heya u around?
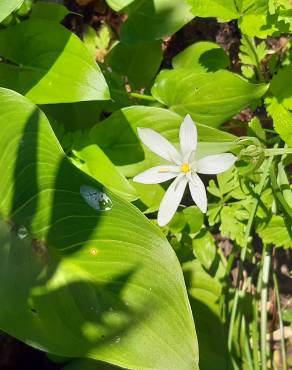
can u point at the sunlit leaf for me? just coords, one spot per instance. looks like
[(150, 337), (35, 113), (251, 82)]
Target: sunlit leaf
[(152, 20), (203, 56), (7, 7), (210, 98), (117, 137), (47, 65), (78, 263)]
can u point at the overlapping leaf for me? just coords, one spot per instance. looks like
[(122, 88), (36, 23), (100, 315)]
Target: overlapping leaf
[(210, 98), (153, 19), (117, 137), (7, 7), (78, 263), (49, 64)]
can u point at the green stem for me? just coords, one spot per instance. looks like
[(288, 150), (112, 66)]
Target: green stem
[(251, 44), (248, 230), (278, 194), (255, 326), (142, 96), (264, 301), (246, 344), (280, 151), (283, 346)]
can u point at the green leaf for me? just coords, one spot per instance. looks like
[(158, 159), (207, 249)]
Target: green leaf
[(282, 119), (81, 364), (264, 25), (210, 98), (49, 11), (118, 5), (281, 79), (47, 67), (231, 223), (284, 184), (250, 53), (150, 196), (276, 232), (194, 219), (138, 62), (203, 56), (255, 129), (225, 10), (80, 264), (96, 164), (7, 7), (152, 20), (205, 292), (204, 248), (117, 137)]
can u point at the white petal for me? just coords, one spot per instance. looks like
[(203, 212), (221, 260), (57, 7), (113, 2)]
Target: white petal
[(198, 191), (188, 136), (213, 164), (171, 200), (157, 174), (159, 145)]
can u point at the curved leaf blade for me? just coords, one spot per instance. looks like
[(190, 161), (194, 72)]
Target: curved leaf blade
[(106, 284), (7, 7), (117, 137), (47, 67), (210, 98)]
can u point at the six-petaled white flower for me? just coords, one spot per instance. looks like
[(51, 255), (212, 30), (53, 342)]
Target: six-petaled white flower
[(184, 168)]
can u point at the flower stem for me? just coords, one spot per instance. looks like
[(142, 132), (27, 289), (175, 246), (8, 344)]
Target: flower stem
[(264, 300), (246, 344), (283, 347), (248, 230), (277, 151)]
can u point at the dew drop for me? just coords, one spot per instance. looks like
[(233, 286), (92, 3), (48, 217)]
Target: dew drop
[(22, 232), (96, 199), (117, 339)]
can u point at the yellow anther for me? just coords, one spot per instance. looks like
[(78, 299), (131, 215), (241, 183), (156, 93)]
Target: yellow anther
[(185, 167)]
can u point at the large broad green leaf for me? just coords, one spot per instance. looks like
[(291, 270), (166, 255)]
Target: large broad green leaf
[(7, 7), (283, 95), (49, 11), (202, 56), (118, 5), (153, 19), (95, 163), (50, 64), (205, 292), (81, 364), (282, 119), (82, 272), (118, 139), (138, 62), (225, 10), (210, 98)]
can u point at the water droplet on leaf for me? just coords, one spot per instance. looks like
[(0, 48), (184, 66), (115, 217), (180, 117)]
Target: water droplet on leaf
[(96, 199), (117, 339), (22, 232)]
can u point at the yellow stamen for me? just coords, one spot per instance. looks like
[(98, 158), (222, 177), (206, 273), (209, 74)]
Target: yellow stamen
[(185, 167), (163, 170)]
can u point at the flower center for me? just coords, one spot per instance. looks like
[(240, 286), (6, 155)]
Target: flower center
[(185, 167)]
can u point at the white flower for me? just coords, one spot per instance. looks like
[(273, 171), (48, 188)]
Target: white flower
[(184, 168)]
